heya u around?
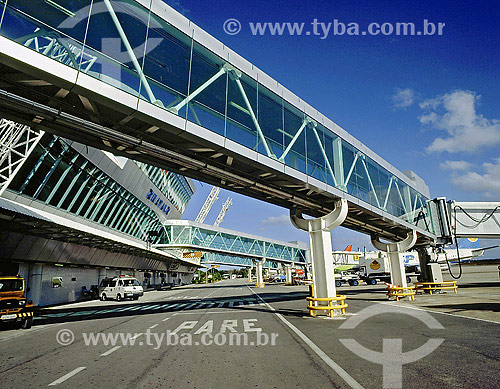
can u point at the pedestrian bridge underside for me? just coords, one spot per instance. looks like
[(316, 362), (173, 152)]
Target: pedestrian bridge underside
[(138, 79), (228, 247)]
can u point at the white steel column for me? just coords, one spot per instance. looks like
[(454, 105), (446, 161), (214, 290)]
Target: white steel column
[(288, 272), (258, 270), (320, 243), (250, 269), (398, 275)]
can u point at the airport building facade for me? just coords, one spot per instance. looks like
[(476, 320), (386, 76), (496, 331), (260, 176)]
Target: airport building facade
[(73, 215)]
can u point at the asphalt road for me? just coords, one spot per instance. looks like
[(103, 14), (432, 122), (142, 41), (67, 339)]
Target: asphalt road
[(284, 347)]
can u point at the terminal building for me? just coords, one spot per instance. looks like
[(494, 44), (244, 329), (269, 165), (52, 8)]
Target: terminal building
[(72, 215)]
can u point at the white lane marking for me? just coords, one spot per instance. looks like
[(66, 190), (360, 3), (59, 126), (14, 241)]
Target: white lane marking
[(441, 313), (154, 326), (330, 362), (66, 376), (167, 318), (111, 350), (136, 336)]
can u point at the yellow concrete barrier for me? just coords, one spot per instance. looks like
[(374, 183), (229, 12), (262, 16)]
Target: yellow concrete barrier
[(260, 284), (401, 291), (314, 307), (433, 286)]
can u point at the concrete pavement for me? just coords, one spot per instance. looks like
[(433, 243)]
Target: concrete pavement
[(305, 352)]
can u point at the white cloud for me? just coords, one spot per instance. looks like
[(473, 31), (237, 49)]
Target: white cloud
[(455, 165), (176, 4), (277, 220), (487, 182), (455, 113), (403, 98)]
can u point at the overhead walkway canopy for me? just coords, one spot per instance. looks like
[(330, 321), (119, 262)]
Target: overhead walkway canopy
[(179, 99), (20, 218), (221, 245)]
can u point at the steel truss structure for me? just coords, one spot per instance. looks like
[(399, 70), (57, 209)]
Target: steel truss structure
[(17, 141), (184, 234), (232, 260), (299, 157)]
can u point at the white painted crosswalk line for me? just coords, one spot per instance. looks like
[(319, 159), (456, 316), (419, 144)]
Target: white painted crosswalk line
[(139, 307)]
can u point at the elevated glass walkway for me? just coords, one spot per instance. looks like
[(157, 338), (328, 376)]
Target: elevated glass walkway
[(176, 97), (221, 245)]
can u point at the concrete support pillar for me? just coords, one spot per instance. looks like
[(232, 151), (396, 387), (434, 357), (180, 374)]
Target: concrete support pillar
[(259, 275), (320, 243), (398, 274), (102, 275), (288, 273), (250, 278), (35, 283)]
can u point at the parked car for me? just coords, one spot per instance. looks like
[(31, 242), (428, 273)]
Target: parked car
[(120, 288)]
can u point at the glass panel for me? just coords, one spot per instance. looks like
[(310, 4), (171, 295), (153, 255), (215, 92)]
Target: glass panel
[(240, 126), (208, 108), (166, 64), (373, 171), (270, 116), (329, 149), (112, 31), (55, 29), (294, 143), (316, 163)]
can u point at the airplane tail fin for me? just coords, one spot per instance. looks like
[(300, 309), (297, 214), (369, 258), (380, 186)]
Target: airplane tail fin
[(348, 248), (468, 243)]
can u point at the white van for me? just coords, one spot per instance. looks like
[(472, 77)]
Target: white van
[(119, 288)]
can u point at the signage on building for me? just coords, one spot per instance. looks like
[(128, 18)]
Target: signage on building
[(156, 200), (193, 254)]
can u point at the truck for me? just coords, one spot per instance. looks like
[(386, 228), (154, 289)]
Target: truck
[(375, 267), (14, 306), (346, 277)]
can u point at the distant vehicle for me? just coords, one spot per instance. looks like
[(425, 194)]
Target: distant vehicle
[(14, 307), (120, 288), (346, 277), (373, 270)]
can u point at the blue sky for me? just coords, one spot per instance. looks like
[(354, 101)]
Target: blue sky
[(426, 103)]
